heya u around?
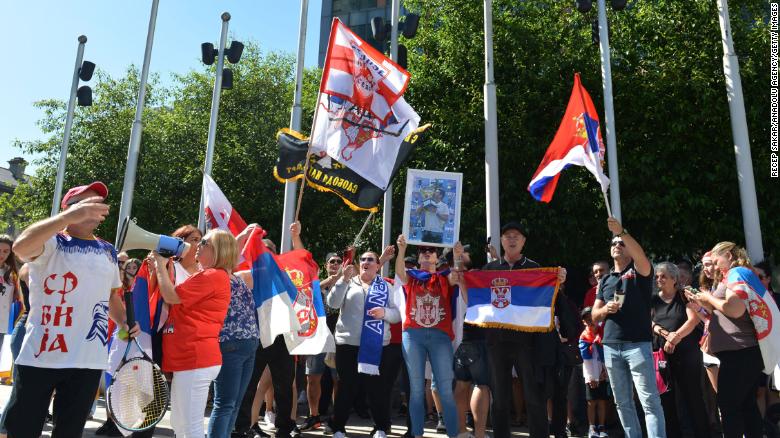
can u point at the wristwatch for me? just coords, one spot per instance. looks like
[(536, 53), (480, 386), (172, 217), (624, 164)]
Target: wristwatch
[(622, 233)]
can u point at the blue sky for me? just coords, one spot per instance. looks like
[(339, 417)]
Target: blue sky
[(40, 42)]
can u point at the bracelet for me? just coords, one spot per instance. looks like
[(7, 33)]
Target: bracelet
[(622, 233)]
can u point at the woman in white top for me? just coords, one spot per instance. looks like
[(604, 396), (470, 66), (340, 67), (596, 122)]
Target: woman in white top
[(9, 284)]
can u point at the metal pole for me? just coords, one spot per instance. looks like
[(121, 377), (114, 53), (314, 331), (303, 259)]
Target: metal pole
[(739, 132), (491, 135), (135, 134), (55, 204), (387, 208), (214, 115), (609, 112), (290, 187)]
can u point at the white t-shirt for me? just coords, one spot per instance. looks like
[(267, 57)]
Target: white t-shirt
[(6, 299), (70, 284), (433, 222)]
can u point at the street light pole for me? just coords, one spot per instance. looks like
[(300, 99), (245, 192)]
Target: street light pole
[(214, 116), (387, 208), (55, 205), (739, 132), (134, 147), (491, 134), (291, 187), (609, 111)]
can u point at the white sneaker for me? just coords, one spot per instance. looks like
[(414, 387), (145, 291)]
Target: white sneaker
[(270, 418), (340, 434), (379, 434)]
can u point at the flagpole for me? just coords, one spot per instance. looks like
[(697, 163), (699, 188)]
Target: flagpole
[(609, 112), (739, 132), (214, 116), (387, 207), (295, 125), (55, 204), (363, 228), (491, 134), (134, 147)]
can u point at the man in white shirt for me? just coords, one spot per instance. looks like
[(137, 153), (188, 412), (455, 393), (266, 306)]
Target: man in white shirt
[(73, 284), (437, 213)]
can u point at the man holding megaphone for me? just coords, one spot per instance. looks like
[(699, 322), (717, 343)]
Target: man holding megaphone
[(72, 276)]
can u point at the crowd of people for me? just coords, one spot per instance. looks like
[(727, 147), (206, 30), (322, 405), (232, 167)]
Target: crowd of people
[(670, 354)]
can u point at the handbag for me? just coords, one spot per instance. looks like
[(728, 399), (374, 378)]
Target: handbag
[(570, 354), (661, 372)]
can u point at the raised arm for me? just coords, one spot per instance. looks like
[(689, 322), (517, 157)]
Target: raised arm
[(400, 266), (167, 290), (295, 235), (633, 249)]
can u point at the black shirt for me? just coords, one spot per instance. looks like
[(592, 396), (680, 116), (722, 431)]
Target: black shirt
[(632, 322), (672, 316)]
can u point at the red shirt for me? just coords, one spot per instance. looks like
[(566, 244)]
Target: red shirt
[(590, 297), (191, 334), (428, 304)]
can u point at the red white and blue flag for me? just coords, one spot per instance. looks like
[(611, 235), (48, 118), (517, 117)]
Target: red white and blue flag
[(763, 312), (272, 289), (358, 73), (522, 300), (578, 142), (219, 212)]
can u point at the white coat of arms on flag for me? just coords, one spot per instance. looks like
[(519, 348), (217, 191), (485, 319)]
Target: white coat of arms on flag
[(500, 293)]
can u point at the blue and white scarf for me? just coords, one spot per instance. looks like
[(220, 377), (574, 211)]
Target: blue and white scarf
[(373, 334)]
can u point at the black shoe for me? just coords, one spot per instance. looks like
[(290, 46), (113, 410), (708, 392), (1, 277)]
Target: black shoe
[(403, 410), (311, 423), (256, 432), (108, 428)]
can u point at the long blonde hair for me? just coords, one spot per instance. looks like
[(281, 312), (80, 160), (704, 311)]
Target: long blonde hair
[(739, 256), (225, 249)]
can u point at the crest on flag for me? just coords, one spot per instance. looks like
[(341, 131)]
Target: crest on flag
[(219, 212), (500, 293)]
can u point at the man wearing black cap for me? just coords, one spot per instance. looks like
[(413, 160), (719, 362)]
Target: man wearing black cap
[(533, 355), (73, 277)]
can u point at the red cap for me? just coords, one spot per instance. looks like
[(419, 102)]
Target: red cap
[(97, 186)]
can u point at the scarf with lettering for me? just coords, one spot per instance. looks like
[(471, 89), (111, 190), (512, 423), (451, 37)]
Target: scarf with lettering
[(373, 333)]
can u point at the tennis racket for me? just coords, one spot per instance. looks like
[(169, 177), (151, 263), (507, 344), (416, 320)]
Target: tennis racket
[(138, 395)]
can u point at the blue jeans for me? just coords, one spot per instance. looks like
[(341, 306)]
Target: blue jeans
[(631, 364), (436, 346), (238, 359)]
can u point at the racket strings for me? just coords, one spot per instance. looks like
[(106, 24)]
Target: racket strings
[(138, 397)]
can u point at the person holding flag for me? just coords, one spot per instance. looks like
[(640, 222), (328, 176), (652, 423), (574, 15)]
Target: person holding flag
[(427, 331), (363, 355)]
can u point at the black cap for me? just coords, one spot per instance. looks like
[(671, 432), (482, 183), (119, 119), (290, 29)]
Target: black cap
[(515, 226), (331, 255), (586, 311)]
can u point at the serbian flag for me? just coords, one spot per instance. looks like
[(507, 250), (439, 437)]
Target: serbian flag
[(522, 300), (577, 142), (272, 289), (314, 337), (360, 74), (763, 312), (219, 213)]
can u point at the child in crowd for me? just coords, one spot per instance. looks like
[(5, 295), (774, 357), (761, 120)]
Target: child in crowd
[(595, 374)]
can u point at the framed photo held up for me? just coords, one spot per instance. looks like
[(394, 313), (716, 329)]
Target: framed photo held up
[(432, 207)]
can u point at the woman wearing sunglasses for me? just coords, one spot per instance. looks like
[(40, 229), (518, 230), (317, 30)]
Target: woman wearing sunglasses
[(363, 356), (427, 331), (191, 334)]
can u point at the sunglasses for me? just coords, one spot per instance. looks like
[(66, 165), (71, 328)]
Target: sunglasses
[(203, 242), (334, 261), (367, 259), (426, 250), (618, 243)]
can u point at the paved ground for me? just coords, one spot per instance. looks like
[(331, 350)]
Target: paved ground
[(357, 427)]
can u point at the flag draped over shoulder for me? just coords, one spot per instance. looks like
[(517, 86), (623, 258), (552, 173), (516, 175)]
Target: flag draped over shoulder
[(358, 73), (522, 300), (578, 142), (218, 210), (272, 289), (327, 174), (314, 337), (763, 312)]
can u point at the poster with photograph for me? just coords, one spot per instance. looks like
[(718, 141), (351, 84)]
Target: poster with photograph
[(432, 207)]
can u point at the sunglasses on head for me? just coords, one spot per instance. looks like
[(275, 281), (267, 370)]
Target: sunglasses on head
[(426, 249), (618, 243), (367, 259), (334, 261)]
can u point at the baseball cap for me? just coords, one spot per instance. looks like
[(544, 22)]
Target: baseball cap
[(586, 311), (331, 255), (97, 186), (515, 226)]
